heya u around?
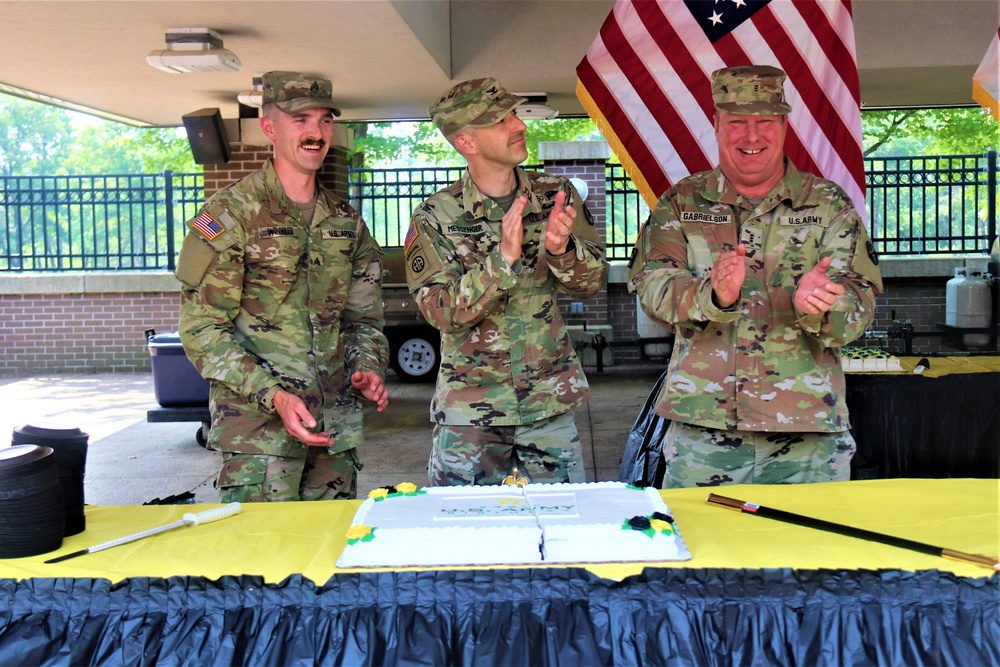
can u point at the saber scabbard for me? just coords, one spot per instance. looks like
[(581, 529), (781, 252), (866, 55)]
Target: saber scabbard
[(852, 531)]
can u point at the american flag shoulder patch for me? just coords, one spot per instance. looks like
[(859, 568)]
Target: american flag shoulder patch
[(411, 236), (208, 226)]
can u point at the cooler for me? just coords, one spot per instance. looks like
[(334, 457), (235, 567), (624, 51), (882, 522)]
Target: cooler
[(176, 382)]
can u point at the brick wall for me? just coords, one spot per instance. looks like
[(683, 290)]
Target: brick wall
[(81, 333), (98, 328)]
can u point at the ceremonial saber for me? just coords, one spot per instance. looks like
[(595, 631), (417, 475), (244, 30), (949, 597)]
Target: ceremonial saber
[(208, 516), (851, 531)]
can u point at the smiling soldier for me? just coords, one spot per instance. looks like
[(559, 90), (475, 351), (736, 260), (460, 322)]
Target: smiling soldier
[(763, 272), (282, 312)]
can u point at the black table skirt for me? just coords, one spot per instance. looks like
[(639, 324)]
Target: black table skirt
[(509, 617), (912, 426)]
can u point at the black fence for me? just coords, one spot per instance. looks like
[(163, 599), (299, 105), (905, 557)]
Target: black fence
[(122, 222), (917, 206)]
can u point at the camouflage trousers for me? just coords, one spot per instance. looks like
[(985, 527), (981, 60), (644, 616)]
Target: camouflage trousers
[(546, 451), (247, 478), (698, 456)]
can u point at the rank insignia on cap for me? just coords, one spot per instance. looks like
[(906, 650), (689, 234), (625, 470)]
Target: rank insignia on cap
[(208, 226)]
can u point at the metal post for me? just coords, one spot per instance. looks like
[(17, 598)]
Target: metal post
[(991, 197), (168, 195)]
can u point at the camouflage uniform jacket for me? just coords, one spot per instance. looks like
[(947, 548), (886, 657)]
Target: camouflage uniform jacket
[(269, 302), (506, 357), (761, 365)]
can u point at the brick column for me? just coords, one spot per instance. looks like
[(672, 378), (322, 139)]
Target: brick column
[(585, 160)]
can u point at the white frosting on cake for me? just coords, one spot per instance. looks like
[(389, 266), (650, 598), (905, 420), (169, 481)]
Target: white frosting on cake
[(438, 526), (503, 525), (592, 532)]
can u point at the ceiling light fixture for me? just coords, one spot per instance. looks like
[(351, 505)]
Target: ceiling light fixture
[(536, 108), (194, 50), (254, 97)]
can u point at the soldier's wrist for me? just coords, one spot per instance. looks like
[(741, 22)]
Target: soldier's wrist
[(267, 398)]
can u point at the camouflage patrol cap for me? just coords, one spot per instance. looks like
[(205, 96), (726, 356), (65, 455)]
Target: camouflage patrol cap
[(473, 103), (293, 92), (750, 89)]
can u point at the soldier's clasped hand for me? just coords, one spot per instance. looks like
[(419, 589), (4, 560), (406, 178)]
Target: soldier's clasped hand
[(295, 415), (728, 274), (560, 226), (816, 293), (512, 231)]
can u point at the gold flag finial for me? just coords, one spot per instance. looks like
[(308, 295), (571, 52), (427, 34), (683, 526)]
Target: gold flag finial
[(513, 480)]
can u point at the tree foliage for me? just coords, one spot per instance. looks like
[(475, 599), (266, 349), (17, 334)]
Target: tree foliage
[(34, 138), (383, 145), (899, 132), (39, 138)]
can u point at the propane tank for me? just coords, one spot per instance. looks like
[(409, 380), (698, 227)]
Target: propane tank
[(968, 304), (951, 296), (646, 327)]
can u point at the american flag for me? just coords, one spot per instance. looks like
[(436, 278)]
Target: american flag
[(411, 235), (646, 82), (986, 80), (207, 225)]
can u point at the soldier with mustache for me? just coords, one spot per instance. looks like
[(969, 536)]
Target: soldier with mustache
[(282, 312)]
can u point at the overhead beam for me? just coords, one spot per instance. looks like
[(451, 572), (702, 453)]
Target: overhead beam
[(430, 21)]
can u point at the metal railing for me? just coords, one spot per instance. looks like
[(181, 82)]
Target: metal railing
[(917, 206), (932, 205), (385, 198), (626, 211), (95, 223)]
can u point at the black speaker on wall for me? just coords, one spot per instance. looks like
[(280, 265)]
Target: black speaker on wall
[(207, 135)]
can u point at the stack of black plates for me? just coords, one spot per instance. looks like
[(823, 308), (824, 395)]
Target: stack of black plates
[(69, 447), (32, 514)]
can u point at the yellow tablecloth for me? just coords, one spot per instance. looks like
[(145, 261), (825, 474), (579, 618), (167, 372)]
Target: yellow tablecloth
[(276, 540), (947, 366)]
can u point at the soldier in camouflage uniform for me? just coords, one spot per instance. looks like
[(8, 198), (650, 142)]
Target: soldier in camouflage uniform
[(282, 312), (763, 272), (485, 258)]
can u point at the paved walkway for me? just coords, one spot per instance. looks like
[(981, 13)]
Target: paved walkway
[(131, 461)]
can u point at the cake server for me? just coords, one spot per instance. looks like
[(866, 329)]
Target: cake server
[(189, 519)]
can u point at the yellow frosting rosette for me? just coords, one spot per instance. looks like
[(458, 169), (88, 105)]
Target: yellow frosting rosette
[(358, 532), (661, 526)]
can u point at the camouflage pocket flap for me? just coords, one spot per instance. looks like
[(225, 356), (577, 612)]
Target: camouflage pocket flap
[(242, 470)]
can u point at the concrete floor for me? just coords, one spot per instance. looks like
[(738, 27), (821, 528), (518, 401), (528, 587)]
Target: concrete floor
[(131, 461)]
